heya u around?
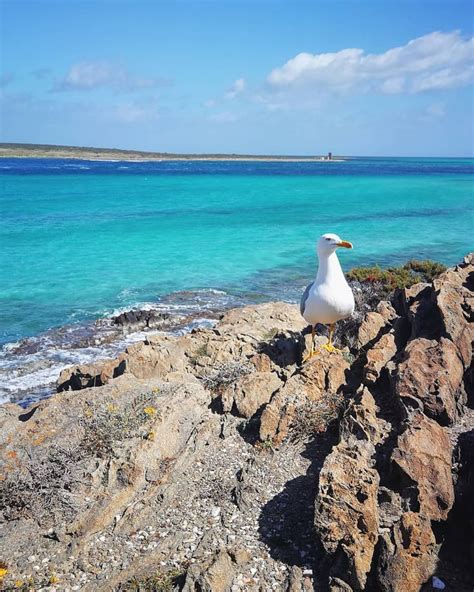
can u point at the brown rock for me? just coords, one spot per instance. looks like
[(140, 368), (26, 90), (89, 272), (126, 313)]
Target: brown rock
[(216, 578), (386, 309), (346, 512), (432, 372), (87, 375), (250, 392), (276, 417), (325, 373), (451, 296), (346, 515), (155, 357), (378, 356), (261, 362), (371, 326), (407, 558), (423, 454)]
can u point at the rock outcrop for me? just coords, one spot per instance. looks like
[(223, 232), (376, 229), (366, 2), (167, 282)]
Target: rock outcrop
[(218, 461)]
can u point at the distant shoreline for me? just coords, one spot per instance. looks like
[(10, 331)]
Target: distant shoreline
[(112, 154)]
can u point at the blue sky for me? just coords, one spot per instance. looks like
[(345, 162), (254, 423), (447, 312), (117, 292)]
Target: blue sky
[(386, 77)]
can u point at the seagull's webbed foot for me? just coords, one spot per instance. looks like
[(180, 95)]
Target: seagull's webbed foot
[(330, 348), (310, 355), (329, 345), (312, 352)]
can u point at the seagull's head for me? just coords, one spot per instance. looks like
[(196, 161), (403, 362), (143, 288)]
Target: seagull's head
[(328, 243)]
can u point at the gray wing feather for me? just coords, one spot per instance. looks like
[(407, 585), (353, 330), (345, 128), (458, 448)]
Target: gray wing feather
[(305, 297)]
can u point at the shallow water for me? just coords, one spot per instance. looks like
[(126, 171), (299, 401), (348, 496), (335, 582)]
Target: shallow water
[(80, 238)]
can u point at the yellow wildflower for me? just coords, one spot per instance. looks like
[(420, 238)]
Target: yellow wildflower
[(155, 390), (150, 411), (151, 436), (3, 572), (111, 408), (18, 583), (53, 579)]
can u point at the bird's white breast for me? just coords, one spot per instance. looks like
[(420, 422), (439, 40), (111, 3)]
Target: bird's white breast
[(329, 302)]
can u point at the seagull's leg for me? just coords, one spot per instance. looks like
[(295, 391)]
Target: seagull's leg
[(312, 351), (329, 346)]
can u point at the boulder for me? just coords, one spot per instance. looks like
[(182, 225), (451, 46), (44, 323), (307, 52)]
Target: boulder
[(250, 392), (324, 374), (346, 508), (137, 320), (346, 513), (408, 556), (84, 376), (378, 356), (431, 372), (423, 455), (453, 291), (372, 324)]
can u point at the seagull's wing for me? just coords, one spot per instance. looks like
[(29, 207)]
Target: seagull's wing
[(305, 297)]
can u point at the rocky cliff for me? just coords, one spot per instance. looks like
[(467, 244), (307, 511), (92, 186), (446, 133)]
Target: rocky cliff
[(216, 461)]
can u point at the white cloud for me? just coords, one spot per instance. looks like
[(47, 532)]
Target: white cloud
[(432, 62), (86, 76), (236, 89)]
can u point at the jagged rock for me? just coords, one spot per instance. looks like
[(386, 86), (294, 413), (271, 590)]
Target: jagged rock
[(87, 375), (378, 356), (325, 373), (216, 578), (431, 372), (346, 510), (157, 356), (135, 320), (346, 515), (386, 309), (276, 417), (250, 392), (453, 289), (408, 556), (371, 326), (107, 483), (338, 585), (423, 455)]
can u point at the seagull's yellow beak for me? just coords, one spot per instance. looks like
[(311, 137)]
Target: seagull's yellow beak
[(345, 244)]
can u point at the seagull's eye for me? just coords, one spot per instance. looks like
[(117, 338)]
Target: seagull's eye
[(328, 239)]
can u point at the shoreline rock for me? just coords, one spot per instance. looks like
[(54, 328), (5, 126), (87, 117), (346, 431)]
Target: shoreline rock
[(215, 460)]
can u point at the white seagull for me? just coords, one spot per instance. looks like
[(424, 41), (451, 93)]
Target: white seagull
[(329, 298)]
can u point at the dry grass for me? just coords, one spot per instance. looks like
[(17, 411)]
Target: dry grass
[(106, 427), (48, 484), (44, 486), (157, 582), (314, 416), (225, 374)]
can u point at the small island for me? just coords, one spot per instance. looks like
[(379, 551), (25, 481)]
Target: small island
[(88, 153)]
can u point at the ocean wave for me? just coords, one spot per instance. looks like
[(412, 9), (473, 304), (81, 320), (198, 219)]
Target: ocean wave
[(30, 367)]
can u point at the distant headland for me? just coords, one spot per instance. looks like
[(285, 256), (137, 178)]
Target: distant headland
[(88, 153)]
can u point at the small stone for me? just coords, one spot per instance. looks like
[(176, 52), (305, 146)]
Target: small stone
[(438, 584)]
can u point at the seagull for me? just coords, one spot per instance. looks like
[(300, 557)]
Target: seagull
[(329, 298)]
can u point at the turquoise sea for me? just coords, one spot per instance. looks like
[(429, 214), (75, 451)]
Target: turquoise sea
[(80, 239)]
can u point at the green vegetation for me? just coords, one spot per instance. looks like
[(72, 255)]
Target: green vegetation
[(397, 277)]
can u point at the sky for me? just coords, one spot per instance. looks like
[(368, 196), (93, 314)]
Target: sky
[(355, 77)]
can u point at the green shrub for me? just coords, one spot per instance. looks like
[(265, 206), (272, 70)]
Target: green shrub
[(404, 276)]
